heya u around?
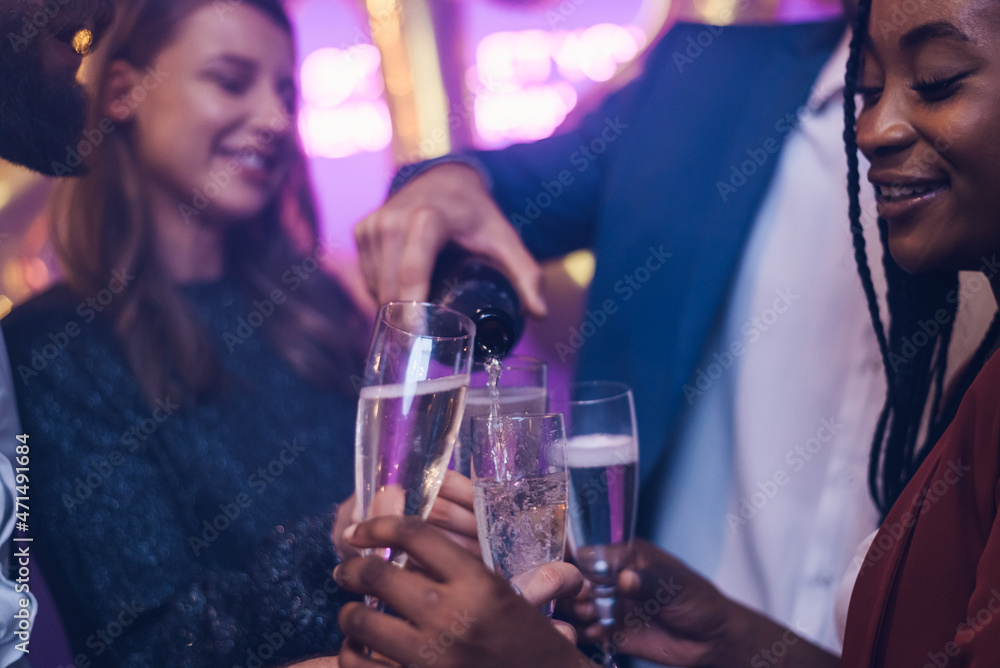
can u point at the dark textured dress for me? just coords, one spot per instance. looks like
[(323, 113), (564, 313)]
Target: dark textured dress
[(181, 536), (928, 593)]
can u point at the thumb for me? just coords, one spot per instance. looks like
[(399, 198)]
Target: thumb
[(500, 242)]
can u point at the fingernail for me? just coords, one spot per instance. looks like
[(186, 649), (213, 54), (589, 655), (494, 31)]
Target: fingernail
[(349, 531), (336, 573)]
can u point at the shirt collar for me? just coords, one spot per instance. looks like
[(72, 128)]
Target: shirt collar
[(830, 83)]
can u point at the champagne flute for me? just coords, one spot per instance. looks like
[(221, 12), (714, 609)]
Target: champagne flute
[(410, 409), (602, 455), (522, 390), (520, 491)]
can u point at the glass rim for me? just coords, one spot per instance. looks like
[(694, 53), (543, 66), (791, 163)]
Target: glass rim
[(619, 390), (465, 321)]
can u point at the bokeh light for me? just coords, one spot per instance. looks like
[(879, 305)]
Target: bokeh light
[(344, 111), (524, 80)]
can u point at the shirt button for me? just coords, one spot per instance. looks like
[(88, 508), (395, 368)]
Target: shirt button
[(822, 579)]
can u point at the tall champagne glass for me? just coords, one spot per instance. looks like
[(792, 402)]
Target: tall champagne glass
[(520, 491), (521, 389), (410, 408), (602, 455)]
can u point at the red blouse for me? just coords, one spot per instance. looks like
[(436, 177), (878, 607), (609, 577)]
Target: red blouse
[(928, 595)]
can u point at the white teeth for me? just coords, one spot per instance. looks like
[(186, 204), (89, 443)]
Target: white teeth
[(251, 160), (906, 191), (894, 192)]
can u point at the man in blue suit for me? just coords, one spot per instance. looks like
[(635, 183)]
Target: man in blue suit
[(712, 190)]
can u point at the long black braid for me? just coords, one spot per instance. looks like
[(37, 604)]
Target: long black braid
[(922, 311)]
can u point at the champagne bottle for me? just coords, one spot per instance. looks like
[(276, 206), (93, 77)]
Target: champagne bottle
[(473, 287)]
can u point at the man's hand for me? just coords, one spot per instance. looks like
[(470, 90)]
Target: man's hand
[(671, 615), (455, 614), (399, 243)]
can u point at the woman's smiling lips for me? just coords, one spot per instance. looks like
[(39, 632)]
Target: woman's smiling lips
[(898, 195), (251, 164)]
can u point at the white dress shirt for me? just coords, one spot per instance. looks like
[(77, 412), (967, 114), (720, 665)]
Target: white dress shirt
[(768, 495)]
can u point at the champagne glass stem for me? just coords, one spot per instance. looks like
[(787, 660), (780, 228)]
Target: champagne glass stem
[(604, 601), (608, 661)]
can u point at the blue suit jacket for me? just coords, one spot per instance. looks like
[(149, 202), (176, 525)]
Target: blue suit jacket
[(678, 162)]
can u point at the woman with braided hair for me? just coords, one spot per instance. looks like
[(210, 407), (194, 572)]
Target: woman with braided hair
[(928, 590), (929, 74)]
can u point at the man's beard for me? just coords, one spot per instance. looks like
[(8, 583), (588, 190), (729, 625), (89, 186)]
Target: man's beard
[(41, 119), (42, 115)]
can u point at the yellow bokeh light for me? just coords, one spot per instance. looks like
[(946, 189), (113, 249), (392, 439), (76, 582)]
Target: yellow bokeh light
[(717, 12), (580, 266)]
